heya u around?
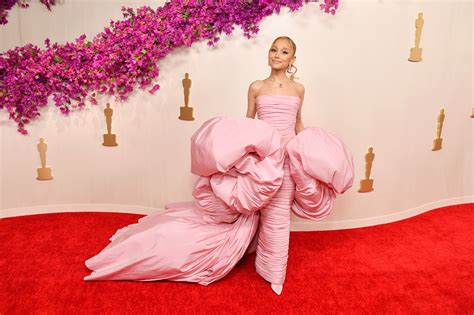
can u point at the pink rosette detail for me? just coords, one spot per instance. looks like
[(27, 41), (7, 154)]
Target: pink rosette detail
[(321, 166), (240, 162)]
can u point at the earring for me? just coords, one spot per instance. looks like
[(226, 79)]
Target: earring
[(291, 71)]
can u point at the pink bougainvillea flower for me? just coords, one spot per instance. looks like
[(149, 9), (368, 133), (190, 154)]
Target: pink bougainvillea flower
[(7, 5), (122, 57)]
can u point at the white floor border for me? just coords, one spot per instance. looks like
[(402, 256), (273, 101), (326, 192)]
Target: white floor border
[(295, 226), (383, 219)]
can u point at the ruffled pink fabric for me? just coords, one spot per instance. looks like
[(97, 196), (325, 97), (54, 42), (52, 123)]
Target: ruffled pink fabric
[(240, 164), (279, 111), (321, 165), (201, 241), (221, 142), (252, 172)]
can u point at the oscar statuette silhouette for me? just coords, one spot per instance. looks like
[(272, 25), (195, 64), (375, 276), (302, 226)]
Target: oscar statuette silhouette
[(438, 141), (186, 112), (110, 140), (44, 173), (415, 52), (366, 184)]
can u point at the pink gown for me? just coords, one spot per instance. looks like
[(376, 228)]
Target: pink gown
[(253, 172)]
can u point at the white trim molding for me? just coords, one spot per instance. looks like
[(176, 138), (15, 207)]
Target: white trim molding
[(91, 207), (383, 219), (307, 225)]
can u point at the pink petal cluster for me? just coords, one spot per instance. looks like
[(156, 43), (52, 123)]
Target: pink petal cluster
[(123, 56), (7, 5)]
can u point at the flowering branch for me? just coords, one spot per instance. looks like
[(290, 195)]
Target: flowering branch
[(7, 5), (123, 56)]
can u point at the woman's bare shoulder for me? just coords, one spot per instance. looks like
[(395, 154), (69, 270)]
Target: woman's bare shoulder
[(299, 87), (257, 84)]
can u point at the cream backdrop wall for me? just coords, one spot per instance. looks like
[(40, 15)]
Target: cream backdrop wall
[(358, 82)]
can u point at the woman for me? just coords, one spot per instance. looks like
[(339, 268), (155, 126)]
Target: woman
[(244, 194), (277, 90)]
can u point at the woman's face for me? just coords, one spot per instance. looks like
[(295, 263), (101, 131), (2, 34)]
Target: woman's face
[(281, 54)]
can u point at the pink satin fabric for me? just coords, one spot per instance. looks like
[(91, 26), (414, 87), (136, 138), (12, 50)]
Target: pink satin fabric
[(240, 163), (321, 166), (252, 173), (274, 226)]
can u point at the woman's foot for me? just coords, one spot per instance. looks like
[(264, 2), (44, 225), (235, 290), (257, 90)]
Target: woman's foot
[(277, 288)]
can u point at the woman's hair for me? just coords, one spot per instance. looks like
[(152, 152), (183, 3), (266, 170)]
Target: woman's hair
[(289, 39)]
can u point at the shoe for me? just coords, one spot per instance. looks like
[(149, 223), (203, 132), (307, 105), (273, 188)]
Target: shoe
[(277, 288)]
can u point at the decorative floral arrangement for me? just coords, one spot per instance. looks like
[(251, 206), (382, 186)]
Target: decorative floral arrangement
[(7, 5), (123, 56)]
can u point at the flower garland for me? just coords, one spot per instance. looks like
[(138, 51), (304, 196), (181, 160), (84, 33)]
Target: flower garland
[(124, 55), (7, 5)]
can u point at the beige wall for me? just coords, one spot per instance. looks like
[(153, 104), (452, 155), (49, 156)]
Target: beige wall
[(358, 81)]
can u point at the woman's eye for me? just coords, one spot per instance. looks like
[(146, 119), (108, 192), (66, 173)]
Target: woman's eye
[(273, 49), (285, 52)]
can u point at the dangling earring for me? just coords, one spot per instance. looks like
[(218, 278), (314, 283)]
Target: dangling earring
[(290, 69)]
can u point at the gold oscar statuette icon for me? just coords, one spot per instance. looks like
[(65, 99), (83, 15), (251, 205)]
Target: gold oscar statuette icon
[(186, 112), (366, 184), (110, 140), (415, 52), (44, 173), (438, 141)]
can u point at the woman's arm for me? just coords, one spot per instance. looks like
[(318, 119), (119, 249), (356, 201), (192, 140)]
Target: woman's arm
[(299, 121), (252, 93)]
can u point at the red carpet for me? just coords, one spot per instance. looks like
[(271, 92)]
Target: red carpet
[(423, 264)]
